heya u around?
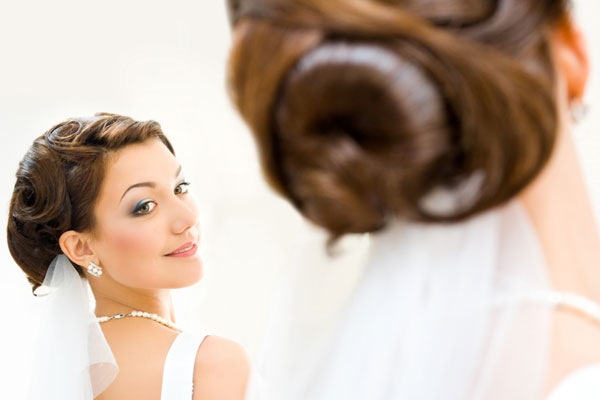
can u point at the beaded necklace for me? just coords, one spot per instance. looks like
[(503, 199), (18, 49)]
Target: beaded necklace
[(141, 314)]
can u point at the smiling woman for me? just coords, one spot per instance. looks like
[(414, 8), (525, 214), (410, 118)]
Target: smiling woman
[(104, 201)]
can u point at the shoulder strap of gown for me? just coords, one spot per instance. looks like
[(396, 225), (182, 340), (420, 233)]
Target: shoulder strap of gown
[(178, 372)]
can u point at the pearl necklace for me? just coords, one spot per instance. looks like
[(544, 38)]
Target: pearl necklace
[(141, 314), (568, 300)]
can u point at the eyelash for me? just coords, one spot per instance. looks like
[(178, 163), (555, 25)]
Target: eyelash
[(183, 185), (136, 212)]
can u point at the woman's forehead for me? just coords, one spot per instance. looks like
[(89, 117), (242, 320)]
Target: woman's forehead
[(149, 161)]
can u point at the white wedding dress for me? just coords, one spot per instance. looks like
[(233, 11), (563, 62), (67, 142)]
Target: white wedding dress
[(178, 371), (439, 312)]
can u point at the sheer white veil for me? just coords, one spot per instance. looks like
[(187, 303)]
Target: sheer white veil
[(439, 312), (73, 360)]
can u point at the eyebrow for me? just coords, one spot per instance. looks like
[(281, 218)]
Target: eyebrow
[(146, 184)]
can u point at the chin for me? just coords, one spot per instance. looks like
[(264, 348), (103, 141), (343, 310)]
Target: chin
[(192, 275)]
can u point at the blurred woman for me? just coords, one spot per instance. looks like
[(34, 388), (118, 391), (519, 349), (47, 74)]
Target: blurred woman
[(443, 128)]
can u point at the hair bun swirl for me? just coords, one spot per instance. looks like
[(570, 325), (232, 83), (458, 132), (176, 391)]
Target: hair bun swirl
[(350, 134), (40, 210), (358, 121)]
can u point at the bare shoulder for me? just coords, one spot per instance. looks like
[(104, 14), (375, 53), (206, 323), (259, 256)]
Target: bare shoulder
[(140, 348), (222, 370)]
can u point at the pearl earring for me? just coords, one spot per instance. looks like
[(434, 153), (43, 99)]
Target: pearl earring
[(95, 270), (579, 110)]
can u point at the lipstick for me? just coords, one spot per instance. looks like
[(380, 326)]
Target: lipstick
[(187, 250)]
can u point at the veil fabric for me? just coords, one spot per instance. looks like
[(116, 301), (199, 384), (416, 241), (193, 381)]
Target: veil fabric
[(428, 319), (73, 359)]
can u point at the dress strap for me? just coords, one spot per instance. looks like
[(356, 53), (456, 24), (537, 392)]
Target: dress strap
[(178, 372)]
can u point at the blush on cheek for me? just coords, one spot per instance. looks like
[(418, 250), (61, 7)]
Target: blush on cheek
[(132, 253), (131, 241)]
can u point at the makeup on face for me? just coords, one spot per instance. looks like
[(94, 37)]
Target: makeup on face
[(187, 250), (147, 205), (148, 220)]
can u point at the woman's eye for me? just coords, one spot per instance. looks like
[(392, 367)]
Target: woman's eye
[(144, 208), (182, 188)]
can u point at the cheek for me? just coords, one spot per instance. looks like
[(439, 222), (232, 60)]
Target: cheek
[(131, 253), (133, 241)]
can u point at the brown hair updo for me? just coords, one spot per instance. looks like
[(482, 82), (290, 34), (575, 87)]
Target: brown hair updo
[(58, 182), (361, 109)]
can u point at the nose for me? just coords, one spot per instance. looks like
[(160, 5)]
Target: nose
[(184, 215)]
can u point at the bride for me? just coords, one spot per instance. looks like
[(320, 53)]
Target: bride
[(443, 128), (104, 201)]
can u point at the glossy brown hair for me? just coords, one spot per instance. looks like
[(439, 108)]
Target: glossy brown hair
[(362, 109), (58, 181)]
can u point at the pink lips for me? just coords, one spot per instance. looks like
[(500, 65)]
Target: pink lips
[(187, 250)]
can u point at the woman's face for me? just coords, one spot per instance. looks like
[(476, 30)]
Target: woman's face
[(147, 230)]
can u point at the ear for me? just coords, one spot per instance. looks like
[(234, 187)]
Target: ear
[(571, 57), (77, 246)]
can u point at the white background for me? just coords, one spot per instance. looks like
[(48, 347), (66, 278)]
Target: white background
[(165, 62)]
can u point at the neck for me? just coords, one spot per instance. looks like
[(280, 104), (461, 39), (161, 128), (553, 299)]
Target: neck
[(113, 298), (560, 210)]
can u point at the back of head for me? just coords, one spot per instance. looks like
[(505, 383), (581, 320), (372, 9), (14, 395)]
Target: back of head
[(363, 109), (58, 181)]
